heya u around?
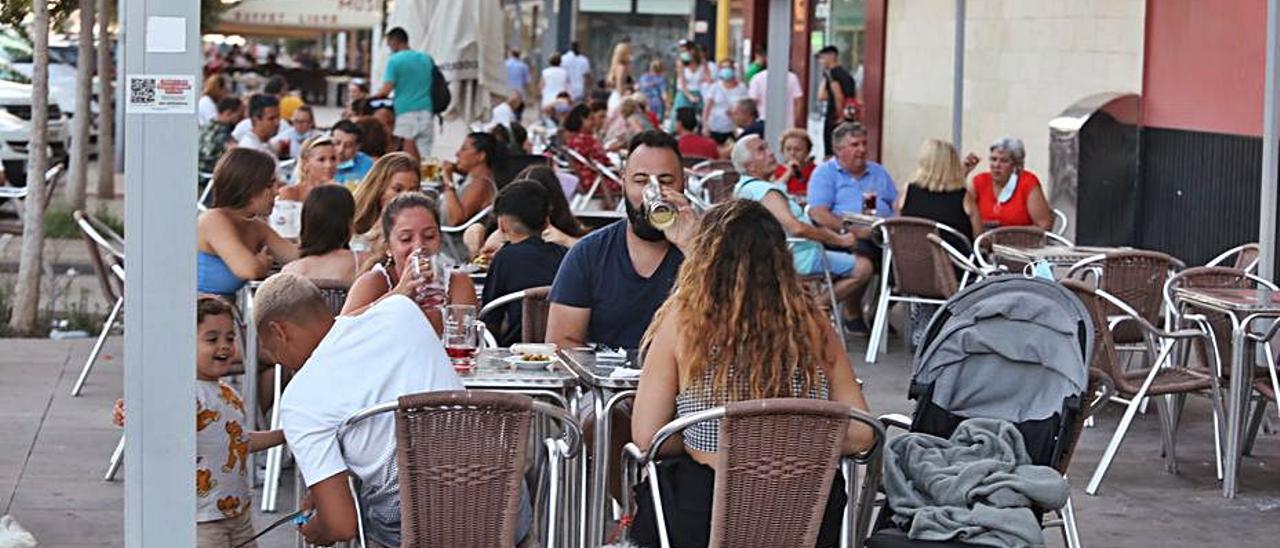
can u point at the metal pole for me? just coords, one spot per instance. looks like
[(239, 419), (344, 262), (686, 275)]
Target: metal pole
[(1270, 131), (162, 38), (957, 84), (779, 67)]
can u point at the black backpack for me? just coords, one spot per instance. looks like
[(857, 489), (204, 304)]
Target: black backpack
[(440, 96)]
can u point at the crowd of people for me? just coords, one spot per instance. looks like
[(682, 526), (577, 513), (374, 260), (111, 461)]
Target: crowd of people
[(740, 327)]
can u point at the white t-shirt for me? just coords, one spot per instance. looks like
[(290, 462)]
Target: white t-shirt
[(245, 126), (721, 99), (555, 80), (206, 110), (251, 140), (578, 66), (388, 351), (760, 92), (502, 114)]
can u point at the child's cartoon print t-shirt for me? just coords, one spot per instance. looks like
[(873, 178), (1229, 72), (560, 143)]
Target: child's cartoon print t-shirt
[(222, 445)]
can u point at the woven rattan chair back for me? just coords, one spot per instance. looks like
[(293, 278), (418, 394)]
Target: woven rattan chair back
[(1214, 277), (1247, 258), (461, 459), (779, 458), (1027, 237), (1136, 277), (1105, 357), (334, 293), (920, 268), (534, 310), (720, 187)]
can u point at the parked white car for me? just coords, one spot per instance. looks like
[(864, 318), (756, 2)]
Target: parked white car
[(15, 129), (16, 52)]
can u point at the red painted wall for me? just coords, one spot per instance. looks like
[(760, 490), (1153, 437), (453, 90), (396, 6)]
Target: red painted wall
[(1204, 65)]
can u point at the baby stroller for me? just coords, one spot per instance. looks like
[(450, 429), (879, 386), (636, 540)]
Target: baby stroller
[(1009, 348)]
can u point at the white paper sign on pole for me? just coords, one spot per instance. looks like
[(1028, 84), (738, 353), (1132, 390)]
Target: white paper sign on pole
[(161, 94)]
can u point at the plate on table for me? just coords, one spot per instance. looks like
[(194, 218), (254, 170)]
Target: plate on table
[(530, 361), (532, 355)]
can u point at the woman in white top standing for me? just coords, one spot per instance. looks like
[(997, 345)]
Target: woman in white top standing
[(692, 76), (619, 78), (555, 80), (720, 96)]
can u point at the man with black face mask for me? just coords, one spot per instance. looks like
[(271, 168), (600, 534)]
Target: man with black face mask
[(612, 281)]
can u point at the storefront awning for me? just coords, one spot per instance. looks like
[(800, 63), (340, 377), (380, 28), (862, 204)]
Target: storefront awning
[(299, 17)]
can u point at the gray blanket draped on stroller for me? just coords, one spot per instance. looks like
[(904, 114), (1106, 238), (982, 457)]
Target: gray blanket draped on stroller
[(978, 486)]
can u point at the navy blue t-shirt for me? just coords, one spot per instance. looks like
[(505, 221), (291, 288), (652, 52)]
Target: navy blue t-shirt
[(598, 274), (516, 267)]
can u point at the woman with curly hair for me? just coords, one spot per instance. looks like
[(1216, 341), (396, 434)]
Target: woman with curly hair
[(740, 327)]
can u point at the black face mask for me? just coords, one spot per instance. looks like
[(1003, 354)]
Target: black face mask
[(640, 225)]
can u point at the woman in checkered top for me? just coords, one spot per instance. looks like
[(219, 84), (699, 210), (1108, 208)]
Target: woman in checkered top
[(738, 327)]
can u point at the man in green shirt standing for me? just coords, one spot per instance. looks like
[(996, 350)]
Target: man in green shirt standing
[(408, 74)]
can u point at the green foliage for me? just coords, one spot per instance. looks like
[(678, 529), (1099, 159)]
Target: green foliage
[(13, 12), (59, 222)]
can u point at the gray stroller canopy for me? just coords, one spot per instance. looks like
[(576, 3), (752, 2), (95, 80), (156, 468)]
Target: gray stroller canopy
[(1008, 347)]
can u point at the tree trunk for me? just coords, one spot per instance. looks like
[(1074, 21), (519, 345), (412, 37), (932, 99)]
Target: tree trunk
[(79, 174), (26, 301), (106, 105)]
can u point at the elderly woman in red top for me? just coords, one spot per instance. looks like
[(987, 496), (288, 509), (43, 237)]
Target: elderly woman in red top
[(1009, 195), (798, 164)]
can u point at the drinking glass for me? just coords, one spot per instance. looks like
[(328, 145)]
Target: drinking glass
[(461, 336)]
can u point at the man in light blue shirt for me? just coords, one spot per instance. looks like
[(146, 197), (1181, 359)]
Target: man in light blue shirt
[(842, 185), (517, 74), (408, 74), (352, 164)]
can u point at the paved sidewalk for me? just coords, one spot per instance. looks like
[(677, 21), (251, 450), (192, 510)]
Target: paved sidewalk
[(56, 447)]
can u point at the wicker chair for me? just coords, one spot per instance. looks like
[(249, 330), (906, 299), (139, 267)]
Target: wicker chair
[(779, 457), (1246, 257), (106, 250), (1136, 277), (1219, 354), (334, 293), (1027, 237), (461, 458), (1137, 385), (534, 309), (922, 271)]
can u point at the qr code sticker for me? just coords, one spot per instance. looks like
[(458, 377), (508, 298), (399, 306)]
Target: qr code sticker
[(142, 91)]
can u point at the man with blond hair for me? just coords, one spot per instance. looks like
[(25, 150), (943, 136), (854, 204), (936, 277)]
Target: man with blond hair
[(341, 366)]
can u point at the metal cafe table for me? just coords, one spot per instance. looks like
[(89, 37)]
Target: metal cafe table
[(608, 390), (1244, 307)]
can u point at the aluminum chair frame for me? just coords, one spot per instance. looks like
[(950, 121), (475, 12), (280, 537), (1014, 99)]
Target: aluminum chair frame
[(837, 313), (580, 201), (202, 203), (1260, 407), (102, 238), (981, 239), (459, 229), (1150, 333), (1059, 216), (878, 342), (854, 526), (561, 449), (1250, 268)]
